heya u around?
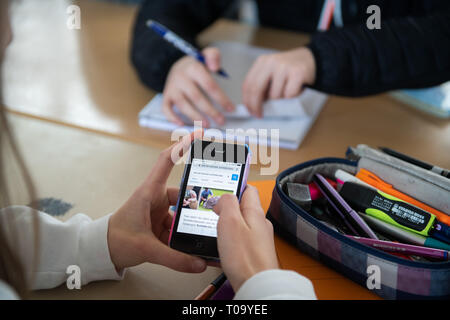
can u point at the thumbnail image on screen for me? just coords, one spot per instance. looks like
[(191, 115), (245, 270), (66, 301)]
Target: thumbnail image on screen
[(209, 197), (208, 180)]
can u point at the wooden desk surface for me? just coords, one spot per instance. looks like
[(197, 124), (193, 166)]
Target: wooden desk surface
[(83, 79)]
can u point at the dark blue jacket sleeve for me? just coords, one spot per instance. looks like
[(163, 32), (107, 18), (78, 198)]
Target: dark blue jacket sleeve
[(408, 52)]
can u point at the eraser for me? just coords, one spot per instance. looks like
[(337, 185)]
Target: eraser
[(300, 194)]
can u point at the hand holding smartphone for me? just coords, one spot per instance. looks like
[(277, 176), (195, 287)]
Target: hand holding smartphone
[(212, 170)]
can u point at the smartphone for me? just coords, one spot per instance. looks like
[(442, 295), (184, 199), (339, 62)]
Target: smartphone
[(212, 170)]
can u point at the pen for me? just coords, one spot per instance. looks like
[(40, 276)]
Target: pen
[(315, 191), (179, 43), (404, 235), (354, 222), (424, 165), (211, 288), (404, 248)]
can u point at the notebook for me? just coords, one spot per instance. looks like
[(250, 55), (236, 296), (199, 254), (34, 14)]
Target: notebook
[(434, 100), (291, 117)]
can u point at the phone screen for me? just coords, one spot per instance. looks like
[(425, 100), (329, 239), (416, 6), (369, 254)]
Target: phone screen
[(217, 169), (208, 180)]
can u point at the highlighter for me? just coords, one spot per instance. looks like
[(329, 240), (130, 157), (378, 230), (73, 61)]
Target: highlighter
[(404, 235), (394, 211), (373, 180), (343, 177)]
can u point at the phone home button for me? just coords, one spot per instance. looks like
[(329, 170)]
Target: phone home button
[(198, 244)]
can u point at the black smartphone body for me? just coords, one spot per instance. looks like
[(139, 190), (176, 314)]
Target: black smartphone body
[(212, 170)]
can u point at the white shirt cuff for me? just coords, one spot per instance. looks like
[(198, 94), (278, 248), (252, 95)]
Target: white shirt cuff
[(96, 260), (276, 284)]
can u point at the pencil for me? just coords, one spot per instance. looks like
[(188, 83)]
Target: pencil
[(211, 288)]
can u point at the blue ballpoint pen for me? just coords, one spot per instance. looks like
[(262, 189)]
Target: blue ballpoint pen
[(179, 43)]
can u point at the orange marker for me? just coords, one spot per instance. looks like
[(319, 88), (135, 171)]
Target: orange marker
[(370, 178)]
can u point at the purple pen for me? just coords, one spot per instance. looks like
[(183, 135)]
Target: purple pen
[(404, 248), (355, 223)]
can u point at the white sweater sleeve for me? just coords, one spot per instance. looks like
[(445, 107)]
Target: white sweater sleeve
[(79, 241), (276, 285)]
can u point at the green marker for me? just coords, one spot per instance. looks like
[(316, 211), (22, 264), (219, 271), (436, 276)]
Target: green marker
[(404, 235), (394, 211)]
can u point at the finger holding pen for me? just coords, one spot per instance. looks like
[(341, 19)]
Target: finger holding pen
[(190, 85), (186, 87)]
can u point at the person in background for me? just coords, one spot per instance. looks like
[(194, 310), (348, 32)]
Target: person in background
[(36, 249), (411, 50), (190, 199), (206, 193)]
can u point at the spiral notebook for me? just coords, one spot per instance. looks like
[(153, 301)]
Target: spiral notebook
[(290, 118)]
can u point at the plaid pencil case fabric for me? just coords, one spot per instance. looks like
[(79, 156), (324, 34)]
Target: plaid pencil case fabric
[(399, 278)]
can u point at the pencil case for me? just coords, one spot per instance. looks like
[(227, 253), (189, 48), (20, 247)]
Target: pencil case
[(398, 279)]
